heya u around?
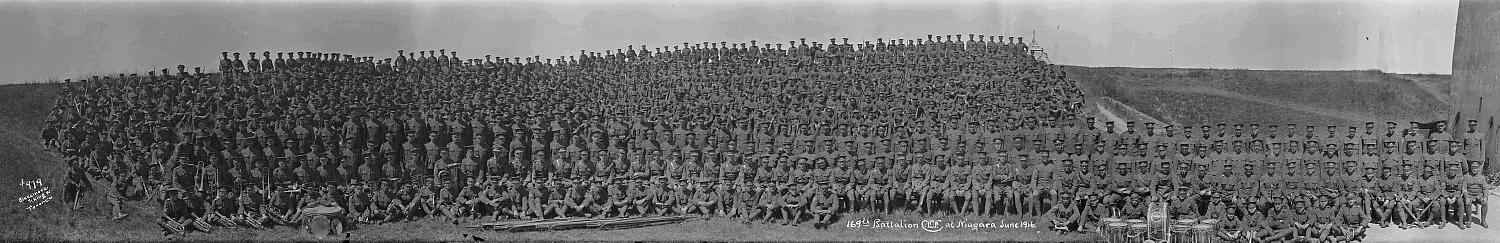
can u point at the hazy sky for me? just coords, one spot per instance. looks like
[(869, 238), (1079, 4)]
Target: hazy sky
[(45, 40)]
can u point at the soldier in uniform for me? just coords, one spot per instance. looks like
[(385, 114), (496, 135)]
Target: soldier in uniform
[(794, 204), (178, 215), (767, 203), (704, 200), (1406, 196), (1475, 202), (823, 205), (1353, 219)]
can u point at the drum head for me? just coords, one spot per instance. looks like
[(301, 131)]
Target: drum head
[(1140, 226), (1135, 221), (1187, 221), (1110, 220), (1203, 227), (319, 226), (1210, 221), (322, 210), (1118, 225)]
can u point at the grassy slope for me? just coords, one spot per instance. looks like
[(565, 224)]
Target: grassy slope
[(1203, 96), (22, 158)]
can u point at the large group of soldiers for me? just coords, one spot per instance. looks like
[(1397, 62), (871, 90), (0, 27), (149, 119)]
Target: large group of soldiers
[(786, 134)]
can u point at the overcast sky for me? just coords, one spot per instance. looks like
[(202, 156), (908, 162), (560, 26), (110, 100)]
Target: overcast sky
[(45, 40)]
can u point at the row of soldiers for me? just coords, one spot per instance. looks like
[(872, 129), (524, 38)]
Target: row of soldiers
[(335, 125), (778, 184), (132, 133), (952, 45), (690, 162)]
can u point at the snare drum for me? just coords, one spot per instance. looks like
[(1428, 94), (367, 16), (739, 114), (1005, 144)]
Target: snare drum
[(1202, 233), (1180, 233), (1212, 223), (1115, 232), (1106, 221), (1137, 233)]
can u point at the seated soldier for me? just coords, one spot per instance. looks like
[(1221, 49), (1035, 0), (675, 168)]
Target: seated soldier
[(824, 204), (575, 201), (794, 203), (510, 201), (745, 201), (1475, 204), (770, 203), (1302, 221), (703, 201), (1325, 218), (222, 205), (471, 198), (448, 205), (178, 215), (1233, 226), (250, 206), (396, 206), (423, 203), (535, 208), (1353, 221), (1063, 217), (597, 199), (499, 197), (1450, 196), (556, 203), (640, 195), (680, 197), (619, 200), (284, 211)]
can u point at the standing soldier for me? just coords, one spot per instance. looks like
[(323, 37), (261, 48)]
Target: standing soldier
[(225, 65)]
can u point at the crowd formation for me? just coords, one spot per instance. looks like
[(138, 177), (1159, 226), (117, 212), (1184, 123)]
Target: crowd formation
[(787, 134)]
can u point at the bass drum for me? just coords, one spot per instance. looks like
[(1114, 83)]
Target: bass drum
[(323, 221)]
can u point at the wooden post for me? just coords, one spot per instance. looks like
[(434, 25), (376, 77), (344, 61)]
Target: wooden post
[(1476, 70)]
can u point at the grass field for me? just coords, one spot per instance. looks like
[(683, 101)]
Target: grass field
[(1176, 96)]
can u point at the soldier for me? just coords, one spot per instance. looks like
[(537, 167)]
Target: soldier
[(1042, 187), (793, 204), (639, 195), (1451, 195), (873, 182), (1406, 196), (1473, 141), (178, 215), (1354, 221), (225, 65), (253, 65), (1064, 216), (704, 200), (284, 207), (266, 65), (250, 209), (556, 199), (824, 204), (619, 199), (535, 199), (768, 203), (575, 201), (1475, 201)]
